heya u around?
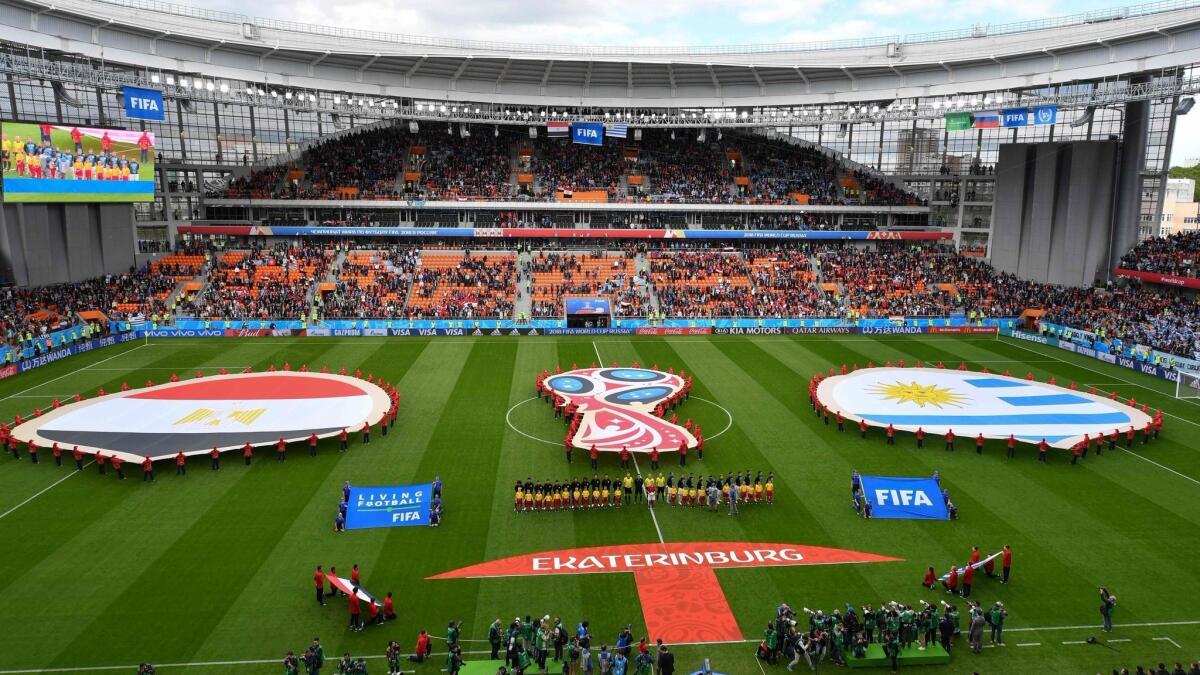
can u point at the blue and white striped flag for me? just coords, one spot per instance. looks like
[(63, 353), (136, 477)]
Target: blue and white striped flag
[(617, 130)]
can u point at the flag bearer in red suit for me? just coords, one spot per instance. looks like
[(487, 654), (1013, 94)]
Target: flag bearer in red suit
[(967, 578), (1043, 448), (624, 457), (930, 578), (1005, 563), (683, 454), (312, 445), (920, 435), (950, 440), (247, 453), (653, 458), (891, 435), (1012, 446), (147, 470), (951, 582), (862, 428), (594, 455)]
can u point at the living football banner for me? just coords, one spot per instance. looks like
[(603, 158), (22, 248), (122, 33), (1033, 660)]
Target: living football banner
[(388, 506), (904, 498)]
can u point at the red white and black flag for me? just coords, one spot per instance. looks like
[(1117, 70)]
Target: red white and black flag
[(558, 129), (224, 412)]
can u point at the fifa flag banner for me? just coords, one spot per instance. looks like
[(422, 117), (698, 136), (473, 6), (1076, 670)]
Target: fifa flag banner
[(587, 133), (906, 498), (388, 506)]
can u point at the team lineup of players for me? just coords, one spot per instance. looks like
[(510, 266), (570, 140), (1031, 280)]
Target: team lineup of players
[(604, 492), (42, 160)]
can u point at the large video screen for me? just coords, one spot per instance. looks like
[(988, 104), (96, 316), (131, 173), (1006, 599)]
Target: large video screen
[(67, 163)]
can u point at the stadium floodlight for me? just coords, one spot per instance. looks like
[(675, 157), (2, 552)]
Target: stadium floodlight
[(443, 108), (183, 82), (170, 80), (312, 98), (209, 86), (274, 94), (154, 78), (250, 90), (1085, 117), (1185, 105), (477, 111), (224, 87), (288, 95)]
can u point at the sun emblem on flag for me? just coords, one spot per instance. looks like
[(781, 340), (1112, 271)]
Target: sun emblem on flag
[(921, 394)]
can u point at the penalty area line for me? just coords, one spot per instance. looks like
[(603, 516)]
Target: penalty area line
[(39, 493), (73, 372)]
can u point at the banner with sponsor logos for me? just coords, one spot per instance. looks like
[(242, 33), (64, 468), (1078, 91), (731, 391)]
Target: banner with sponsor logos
[(388, 506), (667, 330), (1123, 361), (1156, 278), (71, 350), (552, 233), (906, 498)]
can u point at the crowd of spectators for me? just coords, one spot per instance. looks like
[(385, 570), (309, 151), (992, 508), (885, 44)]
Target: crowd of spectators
[(685, 171), (264, 283), (560, 165), (552, 277), (779, 170), (370, 164), (473, 167), (686, 280), (470, 286), (1178, 254), (372, 284)]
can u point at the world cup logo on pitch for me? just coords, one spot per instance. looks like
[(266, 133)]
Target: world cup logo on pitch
[(617, 406)]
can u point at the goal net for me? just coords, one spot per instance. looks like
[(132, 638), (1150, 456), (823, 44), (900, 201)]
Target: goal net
[(1188, 385)]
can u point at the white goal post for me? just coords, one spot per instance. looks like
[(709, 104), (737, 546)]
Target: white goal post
[(1188, 384)]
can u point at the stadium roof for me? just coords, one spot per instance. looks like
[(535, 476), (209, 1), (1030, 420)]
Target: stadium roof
[(163, 36)]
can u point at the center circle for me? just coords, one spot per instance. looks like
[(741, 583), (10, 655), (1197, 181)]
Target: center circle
[(508, 420)]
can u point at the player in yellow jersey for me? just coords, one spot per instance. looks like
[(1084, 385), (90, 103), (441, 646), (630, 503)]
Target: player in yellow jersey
[(538, 498), (575, 499), (519, 500), (595, 498), (19, 159), (769, 488), (604, 497)]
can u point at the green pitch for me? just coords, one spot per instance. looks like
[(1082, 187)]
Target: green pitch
[(213, 570)]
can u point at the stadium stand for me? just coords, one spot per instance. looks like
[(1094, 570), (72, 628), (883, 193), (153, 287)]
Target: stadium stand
[(458, 286), (1178, 254)]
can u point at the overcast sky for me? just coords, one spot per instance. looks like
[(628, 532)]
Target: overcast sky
[(674, 22)]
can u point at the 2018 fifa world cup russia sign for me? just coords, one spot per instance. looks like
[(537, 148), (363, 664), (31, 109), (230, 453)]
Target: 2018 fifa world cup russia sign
[(682, 601), (617, 408)]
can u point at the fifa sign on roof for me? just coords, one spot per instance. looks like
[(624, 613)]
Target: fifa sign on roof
[(144, 104)]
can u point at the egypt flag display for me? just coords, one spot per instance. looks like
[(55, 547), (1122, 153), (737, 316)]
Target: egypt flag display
[(617, 407), (223, 411)]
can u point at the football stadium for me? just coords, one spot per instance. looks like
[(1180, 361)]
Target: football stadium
[(347, 348)]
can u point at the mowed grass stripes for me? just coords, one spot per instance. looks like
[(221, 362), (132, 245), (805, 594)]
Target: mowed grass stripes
[(216, 566)]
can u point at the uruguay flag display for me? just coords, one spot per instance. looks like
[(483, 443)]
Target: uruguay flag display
[(969, 404), (388, 506), (908, 498)]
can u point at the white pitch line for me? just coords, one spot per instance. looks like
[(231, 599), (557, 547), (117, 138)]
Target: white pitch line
[(1165, 468), (1093, 625), (73, 372), (653, 516), (43, 490), (192, 664), (1119, 640), (1167, 639), (196, 664), (1074, 642), (649, 508)]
